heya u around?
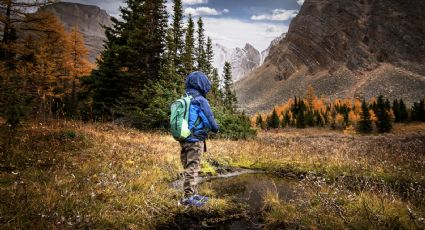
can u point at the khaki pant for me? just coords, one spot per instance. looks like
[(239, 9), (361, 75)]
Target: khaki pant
[(191, 160)]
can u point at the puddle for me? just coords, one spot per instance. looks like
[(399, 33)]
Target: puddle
[(246, 187), (250, 189)]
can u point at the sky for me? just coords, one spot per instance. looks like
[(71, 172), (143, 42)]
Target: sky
[(231, 23)]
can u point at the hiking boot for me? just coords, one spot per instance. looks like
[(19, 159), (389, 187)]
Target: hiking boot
[(200, 198), (192, 201)]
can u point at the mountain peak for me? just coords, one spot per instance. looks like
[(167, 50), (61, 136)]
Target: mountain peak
[(90, 20)]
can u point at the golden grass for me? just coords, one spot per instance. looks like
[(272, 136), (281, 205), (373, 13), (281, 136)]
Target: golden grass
[(75, 175)]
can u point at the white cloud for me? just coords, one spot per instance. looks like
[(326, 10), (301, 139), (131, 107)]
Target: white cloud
[(235, 33), (204, 11), (194, 2), (300, 2), (276, 15)]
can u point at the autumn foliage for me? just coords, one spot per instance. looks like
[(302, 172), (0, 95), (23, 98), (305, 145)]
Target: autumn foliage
[(349, 114), (41, 64)]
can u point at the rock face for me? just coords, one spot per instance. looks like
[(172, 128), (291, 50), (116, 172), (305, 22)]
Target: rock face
[(243, 61), (344, 48), (89, 20), (265, 53)]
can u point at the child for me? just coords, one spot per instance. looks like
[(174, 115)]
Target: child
[(201, 120)]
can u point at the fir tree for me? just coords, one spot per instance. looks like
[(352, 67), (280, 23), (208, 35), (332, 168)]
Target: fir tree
[(396, 111), (209, 58), (286, 120), (384, 122), (402, 111), (126, 82), (188, 57), (178, 37), (216, 96), (418, 111), (274, 120), (229, 94), (200, 51), (300, 114), (365, 123)]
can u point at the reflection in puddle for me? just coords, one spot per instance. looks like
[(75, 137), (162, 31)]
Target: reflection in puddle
[(250, 189)]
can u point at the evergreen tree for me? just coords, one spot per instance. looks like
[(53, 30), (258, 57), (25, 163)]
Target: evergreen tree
[(200, 51), (126, 82), (286, 120), (188, 57), (209, 58), (396, 111), (300, 114), (418, 111), (216, 96), (384, 121), (274, 120), (229, 94), (309, 118), (402, 111), (365, 123), (178, 37)]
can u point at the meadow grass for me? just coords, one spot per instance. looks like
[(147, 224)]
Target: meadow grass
[(74, 175)]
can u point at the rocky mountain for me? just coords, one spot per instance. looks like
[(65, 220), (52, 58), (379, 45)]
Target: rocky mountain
[(89, 20), (243, 60), (344, 48), (275, 42)]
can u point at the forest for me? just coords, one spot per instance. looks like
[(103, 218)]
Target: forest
[(46, 73)]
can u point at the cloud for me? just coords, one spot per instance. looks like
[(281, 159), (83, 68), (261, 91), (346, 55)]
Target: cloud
[(204, 11), (300, 2), (276, 15), (236, 33), (194, 2)]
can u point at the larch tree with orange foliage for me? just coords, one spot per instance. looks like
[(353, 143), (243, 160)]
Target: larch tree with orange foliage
[(79, 68), (51, 65)]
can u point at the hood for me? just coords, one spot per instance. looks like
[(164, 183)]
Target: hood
[(198, 81)]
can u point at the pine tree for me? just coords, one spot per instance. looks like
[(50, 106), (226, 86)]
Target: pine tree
[(384, 121), (126, 82), (402, 111), (274, 119), (209, 58), (300, 114), (188, 58), (178, 37), (229, 94), (396, 111), (418, 111), (200, 51), (216, 96), (365, 123), (286, 120)]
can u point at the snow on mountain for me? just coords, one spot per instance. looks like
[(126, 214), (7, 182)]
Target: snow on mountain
[(242, 60)]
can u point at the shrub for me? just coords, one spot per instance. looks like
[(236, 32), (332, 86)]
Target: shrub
[(233, 125)]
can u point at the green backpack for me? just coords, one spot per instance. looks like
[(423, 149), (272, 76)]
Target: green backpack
[(179, 118)]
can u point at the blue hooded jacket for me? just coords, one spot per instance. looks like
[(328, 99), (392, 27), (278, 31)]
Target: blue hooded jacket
[(201, 118)]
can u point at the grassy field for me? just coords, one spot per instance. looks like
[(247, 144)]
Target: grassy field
[(74, 175)]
